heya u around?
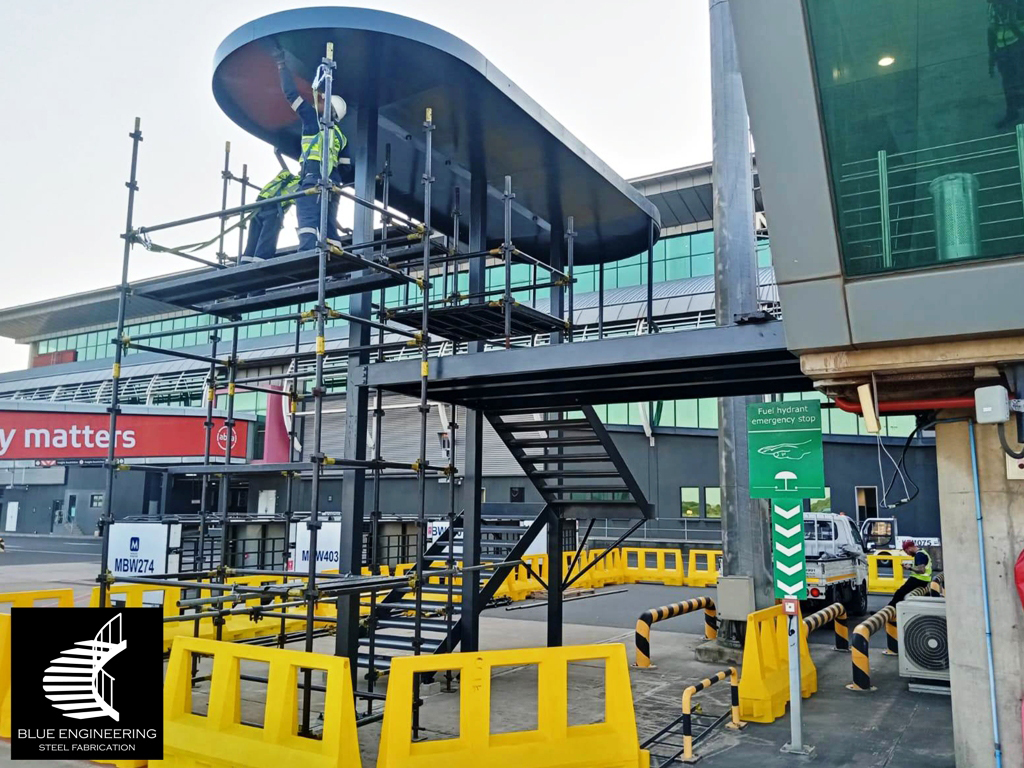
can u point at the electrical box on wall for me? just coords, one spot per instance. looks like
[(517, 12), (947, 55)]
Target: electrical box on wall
[(735, 599), (992, 405)]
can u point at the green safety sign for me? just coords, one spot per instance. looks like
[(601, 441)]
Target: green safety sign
[(784, 450), (788, 549)]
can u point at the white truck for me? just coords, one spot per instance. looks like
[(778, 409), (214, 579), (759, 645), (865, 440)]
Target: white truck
[(837, 569), (882, 534)]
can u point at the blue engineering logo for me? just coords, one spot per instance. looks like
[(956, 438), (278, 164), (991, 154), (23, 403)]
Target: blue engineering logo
[(75, 681)]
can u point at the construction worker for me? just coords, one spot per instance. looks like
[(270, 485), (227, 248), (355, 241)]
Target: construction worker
[(267, 222), (1006, 51), (920, 571), (308, 207)]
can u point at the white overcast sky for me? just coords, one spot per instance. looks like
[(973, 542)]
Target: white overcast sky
[(631, 80)]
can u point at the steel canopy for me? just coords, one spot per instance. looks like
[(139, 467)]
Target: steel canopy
[(483, 122)]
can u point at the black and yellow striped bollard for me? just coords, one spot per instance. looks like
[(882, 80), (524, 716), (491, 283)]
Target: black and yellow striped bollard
[(734, 692), (643, 624), (836, 613)]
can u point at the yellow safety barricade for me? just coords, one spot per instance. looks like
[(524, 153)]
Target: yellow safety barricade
[(886, 585), (5, 676), (664, 566), (65, 598), (706, 576), (219, 739), (147, 595), (522, 583), (608, 569), (554, 744), (35, 598), (764, 683)]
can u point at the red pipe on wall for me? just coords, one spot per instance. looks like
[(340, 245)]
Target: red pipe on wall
[(909, 406)]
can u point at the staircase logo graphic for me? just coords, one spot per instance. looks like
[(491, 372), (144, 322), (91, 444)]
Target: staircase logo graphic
[(76, 683)]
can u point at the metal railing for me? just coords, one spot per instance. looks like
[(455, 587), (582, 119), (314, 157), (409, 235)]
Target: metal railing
[(887, 204)]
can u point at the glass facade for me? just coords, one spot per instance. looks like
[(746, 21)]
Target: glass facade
[(923, 110)]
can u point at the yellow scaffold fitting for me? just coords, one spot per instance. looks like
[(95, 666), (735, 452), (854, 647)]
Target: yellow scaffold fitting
[(493, 303), (209, 394), (297, 592), (126, 341), (415, 466), (116, 371), (122, 467), (292, 402), (329, 460), (430, 114), (309, 315), (330, 50), (108, 577), (333, 313), (321, 345), (424, 369), (231, 389), (419, 283), (414, 236)]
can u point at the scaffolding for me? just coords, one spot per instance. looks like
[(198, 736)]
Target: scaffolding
[(405, 253)]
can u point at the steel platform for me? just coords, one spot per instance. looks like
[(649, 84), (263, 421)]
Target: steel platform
[(254, 286), (710, 362), (476, 322), (484, 124)]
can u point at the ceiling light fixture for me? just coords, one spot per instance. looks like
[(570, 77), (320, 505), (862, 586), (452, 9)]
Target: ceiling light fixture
[(886, 61)]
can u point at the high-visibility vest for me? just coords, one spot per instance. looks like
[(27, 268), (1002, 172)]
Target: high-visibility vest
[(311, 148), (1007, 27), (927, 575), (284, 183)]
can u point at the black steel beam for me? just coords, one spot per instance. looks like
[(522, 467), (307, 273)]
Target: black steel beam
[(750, 359)]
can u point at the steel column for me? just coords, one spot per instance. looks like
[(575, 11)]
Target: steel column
[(353, 492), (472, 487), (115, 376)]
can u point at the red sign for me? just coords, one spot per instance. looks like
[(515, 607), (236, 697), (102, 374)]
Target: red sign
[(49, 435)]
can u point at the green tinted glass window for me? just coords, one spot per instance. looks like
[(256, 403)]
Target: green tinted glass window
[(923, 109), (689, 502), (713, 502)]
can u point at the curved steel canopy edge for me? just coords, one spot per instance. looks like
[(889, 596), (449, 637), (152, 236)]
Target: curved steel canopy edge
[(483, 121)]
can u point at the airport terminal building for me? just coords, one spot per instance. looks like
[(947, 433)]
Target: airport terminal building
[(52, 485)]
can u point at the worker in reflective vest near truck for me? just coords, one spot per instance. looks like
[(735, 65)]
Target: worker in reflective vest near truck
[(308, 207), (919, 572)]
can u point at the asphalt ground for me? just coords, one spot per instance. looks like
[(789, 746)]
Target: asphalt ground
[(612, 607), (39, 550)]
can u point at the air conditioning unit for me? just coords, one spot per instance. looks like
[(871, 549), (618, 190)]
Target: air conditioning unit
[(924, 644)]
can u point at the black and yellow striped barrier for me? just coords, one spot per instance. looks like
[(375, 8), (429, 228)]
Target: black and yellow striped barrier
[(861, 638), (937, 587), (643, 624), (734, 701), (836, 613)]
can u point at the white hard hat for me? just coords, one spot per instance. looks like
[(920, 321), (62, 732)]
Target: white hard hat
[(339, 106)]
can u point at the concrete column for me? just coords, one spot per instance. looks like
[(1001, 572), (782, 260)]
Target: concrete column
[(746, 533), (1002, 506)]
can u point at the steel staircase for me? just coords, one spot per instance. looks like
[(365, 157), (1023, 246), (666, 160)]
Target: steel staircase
[(393, 618), (572, 462)]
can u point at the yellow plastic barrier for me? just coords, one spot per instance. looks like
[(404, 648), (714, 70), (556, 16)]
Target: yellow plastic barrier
[(5, 676), (554, 744), (38, 598), (764, 684), (886, 585), (65, 598), (522, 583), (220, 740), (608, 569), (706, 576), (664, 566)]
